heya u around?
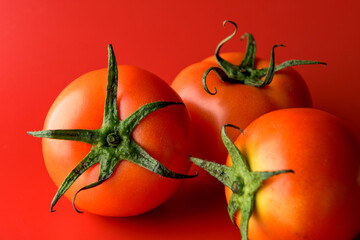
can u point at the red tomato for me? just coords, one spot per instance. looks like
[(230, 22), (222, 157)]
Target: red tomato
[(321, 199), (164, 134), (234, 103)]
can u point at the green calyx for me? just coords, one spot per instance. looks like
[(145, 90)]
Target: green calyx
[(246, 73), (112, 142), (243, 182)]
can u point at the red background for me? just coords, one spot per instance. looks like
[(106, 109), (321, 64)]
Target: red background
[(44, 45)]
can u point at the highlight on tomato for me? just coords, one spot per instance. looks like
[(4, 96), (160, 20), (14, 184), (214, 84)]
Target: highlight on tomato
[(129, 143), (236, 88), (292, 174)]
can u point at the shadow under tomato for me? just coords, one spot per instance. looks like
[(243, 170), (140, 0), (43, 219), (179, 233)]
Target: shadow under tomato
[(196, 211)]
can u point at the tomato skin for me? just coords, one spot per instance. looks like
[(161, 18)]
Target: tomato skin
[(131, 190), (321, 200), (236, 104)]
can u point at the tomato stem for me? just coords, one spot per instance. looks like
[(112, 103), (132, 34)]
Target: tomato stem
[(111, 113), (246, 73), (271, 69), (112, 142), (243, 182), (249, 58), (80, 135)]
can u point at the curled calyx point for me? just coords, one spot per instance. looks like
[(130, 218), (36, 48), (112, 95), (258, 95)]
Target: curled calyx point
[(233, 126), (246, 73), (231, 22)]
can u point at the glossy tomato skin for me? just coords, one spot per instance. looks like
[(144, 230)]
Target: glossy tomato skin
[(235, 104), (321, 199), (164, 134)]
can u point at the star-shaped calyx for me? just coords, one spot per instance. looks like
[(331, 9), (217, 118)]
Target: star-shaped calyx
[(243, 182), (246, 73), (112, 142)]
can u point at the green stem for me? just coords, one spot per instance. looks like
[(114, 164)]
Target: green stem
[(246, 73), (134, 119), (112, 142), (80, 135), (223, 173), (111, 111), (289, 63), (227, 67), (271, 69), (222, 75), (243, 182), (91, 159), (249, 58)]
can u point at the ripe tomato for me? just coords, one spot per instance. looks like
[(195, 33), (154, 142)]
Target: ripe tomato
[(320, 200), (163, 134), (235, 102)]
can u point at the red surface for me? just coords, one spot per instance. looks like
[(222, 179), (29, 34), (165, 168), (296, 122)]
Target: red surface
[(44, 45)]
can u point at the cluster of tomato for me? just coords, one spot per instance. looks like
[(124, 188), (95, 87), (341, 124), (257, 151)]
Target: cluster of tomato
[(133, 137)]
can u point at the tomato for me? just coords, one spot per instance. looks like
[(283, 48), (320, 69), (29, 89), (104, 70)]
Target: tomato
[(236, 102), (163, 134), (320, 200)]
